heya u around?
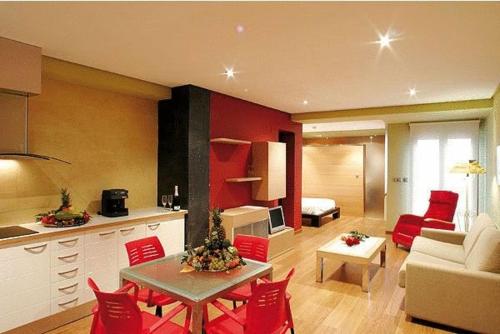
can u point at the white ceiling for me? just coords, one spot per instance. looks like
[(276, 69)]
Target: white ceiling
[(343, 126), (289, 52)]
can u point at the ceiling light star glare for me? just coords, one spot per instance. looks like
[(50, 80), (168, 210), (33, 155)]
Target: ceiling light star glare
[(412, 91), (229, 73), (384, 41)]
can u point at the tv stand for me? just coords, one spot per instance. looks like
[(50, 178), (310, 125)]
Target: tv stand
[(253, 220)]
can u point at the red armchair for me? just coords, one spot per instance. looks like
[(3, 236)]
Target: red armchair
[(442, 206)]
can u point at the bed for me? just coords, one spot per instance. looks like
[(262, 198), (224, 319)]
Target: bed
[(316, 208)]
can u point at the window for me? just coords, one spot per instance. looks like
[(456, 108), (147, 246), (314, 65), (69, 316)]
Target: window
[(436, 148)]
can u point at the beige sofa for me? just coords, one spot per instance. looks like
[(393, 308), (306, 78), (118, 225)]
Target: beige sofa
[(453, 278)]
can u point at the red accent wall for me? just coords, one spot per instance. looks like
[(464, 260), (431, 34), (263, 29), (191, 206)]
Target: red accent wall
[(235, 118)]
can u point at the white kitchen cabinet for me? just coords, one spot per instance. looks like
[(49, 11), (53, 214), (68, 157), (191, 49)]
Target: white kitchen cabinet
[(25, 284), (48, 277), (101, 261), (170, 233), (126, 234)]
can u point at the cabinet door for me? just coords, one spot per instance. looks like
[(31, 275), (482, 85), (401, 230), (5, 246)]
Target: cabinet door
[(170, 233), (101, 261), (126, 234), (25, 284)]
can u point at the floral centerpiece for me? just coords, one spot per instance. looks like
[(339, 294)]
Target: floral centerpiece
[(354, 238), (217, 253), (65, 216)]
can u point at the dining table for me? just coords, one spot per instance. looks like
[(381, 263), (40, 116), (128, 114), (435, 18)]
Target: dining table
[(194, 288)]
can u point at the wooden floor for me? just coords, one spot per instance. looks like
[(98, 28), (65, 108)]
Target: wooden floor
[(338, 305)]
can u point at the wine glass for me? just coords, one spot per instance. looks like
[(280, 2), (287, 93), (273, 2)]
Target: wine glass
[(164, 201), (170, 199)]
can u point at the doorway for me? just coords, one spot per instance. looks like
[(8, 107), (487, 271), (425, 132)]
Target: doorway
[(288, 202)]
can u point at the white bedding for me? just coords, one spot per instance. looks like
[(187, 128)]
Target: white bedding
[(316, 206)]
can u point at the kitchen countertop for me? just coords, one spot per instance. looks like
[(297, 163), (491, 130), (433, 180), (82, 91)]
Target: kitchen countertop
[(96, 222)]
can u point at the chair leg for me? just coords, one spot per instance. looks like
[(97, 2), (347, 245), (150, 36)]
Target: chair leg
[(234, 304), (159, 312)]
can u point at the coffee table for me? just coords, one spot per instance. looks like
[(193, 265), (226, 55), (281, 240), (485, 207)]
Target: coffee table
[(361, 254)]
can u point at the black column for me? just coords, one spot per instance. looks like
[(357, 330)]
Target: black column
[(183, 155)]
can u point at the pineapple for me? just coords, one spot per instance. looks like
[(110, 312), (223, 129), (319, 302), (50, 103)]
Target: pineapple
[(217, 225), (65, 200)]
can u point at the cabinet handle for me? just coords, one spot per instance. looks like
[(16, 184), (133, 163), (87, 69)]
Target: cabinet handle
[(68, 287), (64, 242), (127, 229), (154, 226), (35, 247), (68, 302), (106, 233), (67, 272), (67, 256)]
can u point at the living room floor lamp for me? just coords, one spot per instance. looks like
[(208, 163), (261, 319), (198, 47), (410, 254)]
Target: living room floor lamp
[(468, 168)]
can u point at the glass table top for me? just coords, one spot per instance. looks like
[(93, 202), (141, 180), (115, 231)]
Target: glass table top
[(165, 274)]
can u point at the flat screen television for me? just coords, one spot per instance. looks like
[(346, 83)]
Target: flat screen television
[(276, 220)]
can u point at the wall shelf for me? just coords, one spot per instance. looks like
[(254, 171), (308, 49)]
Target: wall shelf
[(243, 179), (230, 141)]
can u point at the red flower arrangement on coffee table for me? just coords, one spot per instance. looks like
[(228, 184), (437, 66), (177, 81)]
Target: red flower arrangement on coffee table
[(354, 238)]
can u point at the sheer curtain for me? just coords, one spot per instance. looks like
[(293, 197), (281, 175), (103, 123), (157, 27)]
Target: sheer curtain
[(436, 147)]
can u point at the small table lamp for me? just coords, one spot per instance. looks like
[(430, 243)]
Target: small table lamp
[(468, 168)]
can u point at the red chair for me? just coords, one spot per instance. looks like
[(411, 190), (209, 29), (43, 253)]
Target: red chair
[(442, 206), (144, 250), (118, 313), (253, 248), (265, 312)]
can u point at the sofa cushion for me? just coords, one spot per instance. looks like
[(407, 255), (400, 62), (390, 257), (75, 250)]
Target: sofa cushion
[(424, 258), (482, 221), (442, 250), (485, 255)]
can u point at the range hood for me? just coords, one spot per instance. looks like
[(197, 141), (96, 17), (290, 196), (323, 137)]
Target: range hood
[(21, 72), (14, 129)]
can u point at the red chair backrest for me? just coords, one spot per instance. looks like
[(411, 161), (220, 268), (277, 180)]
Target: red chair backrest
[(252, 247), (266, 308), (144, 250), (442, 205), (118, 311)]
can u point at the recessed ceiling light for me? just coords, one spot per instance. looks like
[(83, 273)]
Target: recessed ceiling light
[(305, 102), (245, 90), (229, 73), (240, 28), (412, 91), (384, 40)]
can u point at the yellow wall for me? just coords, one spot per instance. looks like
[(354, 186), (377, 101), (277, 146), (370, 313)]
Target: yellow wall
[(398, 165), (110, 138)]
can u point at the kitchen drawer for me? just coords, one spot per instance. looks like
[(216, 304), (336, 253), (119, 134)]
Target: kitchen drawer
[(68, 256), (170, 233), (107, 238), (21, 316), (19, 299), (66, 302), (66, 272), (63, 244), (34, 251), (67, 287)]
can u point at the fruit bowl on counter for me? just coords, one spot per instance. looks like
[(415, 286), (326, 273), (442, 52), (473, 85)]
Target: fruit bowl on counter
[(65, 216)]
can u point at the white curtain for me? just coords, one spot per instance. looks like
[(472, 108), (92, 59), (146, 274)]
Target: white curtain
[(436, 147)]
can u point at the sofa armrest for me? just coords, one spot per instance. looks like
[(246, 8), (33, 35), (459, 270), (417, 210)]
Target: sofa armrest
[(450, 237), (457, 297)]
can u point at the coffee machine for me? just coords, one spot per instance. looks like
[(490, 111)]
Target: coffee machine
[(113, 202)]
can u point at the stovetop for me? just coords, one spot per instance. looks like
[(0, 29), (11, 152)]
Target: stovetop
[(14, 231)]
